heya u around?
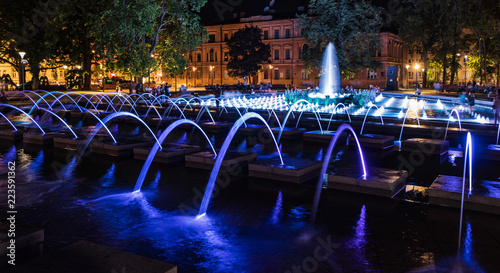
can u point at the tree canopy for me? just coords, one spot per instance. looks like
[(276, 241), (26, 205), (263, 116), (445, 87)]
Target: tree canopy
[(247, 52), (352, 26)]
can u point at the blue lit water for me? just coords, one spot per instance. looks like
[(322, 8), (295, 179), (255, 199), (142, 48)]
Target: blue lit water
[(252, 226)]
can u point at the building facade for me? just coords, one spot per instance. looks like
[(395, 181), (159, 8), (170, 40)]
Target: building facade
[(208, 64)]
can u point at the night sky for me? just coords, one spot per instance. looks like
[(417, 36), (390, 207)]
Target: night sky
[(221, 11)]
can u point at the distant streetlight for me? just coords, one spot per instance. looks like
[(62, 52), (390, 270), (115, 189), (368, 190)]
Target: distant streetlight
[(194, 76), (212, 74), (465, 63), (271, 72), (407, 75), (416, 74), (22, 54)]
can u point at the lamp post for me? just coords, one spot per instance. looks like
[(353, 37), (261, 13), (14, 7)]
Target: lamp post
[(212, 75), (271, 72), (407, 74), (465, 64), (416, 74), (194, 76), (22, 66)]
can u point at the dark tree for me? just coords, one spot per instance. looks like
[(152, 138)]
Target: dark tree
[(247, 52), (352, 26)]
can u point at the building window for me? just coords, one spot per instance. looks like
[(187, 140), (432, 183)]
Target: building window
[(288, 33), (266, 74), (302, 32), (226, 37), (304, 75), (420, 75), (276, 54), (371, 75), (211, 38), (190, 75), (266, 34), (226, 56), (287, 54), (276, 74), (226, 75), (276, 34), (410, 75), (198, 57), (303, 50), (191, 57), (287, 74), (198, 74), (212, 53), (382, 74)]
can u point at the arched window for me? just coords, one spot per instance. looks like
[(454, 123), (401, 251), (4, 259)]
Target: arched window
[(303, 49)]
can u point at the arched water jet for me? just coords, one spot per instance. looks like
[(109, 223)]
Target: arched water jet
[(148, 104), (60, 119), (66, 95), (31, 92), (326, 160), (15, 129), (366, 115), (104, 121), (220, 157), (200, 114), (404, 120), (80, 97), (24, 113), (448, 123), (333, 112), (468, 152), (172, 105), (288, 115), (43, 98), (156, 147)]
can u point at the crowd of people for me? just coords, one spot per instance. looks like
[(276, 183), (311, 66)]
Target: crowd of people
[(163, 89)]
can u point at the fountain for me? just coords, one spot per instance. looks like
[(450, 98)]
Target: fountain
[(220, 157), (24, 113), (296, 133), (115, 149), (451, 119), (330, 81), (326, 160), (157, 147)]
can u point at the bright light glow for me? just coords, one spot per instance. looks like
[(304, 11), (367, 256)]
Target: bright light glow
[(417, 66), (201, 216), (22, 54), (440, 104), (389, 102), (379, 98)]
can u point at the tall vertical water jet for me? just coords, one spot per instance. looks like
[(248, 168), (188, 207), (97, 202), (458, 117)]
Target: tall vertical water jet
[(330, 81)]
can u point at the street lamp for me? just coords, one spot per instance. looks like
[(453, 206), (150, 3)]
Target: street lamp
[(465, 63), (416, 74), (271, 72), (212, 74), (22, 54), (194, 76), (407, 74)]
